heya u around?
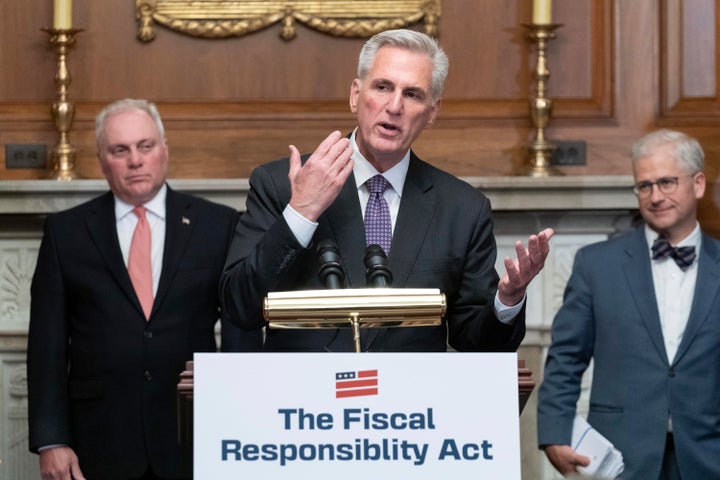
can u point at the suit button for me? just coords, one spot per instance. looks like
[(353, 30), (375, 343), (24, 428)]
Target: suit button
[(671, 373), (148, 334), (148, 377)]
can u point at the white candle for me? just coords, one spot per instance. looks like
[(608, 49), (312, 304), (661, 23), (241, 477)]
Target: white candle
[(542, 12), (63, 14)]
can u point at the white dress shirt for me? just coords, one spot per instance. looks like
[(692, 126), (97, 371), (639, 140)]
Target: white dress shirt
[(674, 290)]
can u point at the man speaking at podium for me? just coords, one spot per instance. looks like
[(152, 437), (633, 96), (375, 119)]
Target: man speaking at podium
[(371, 188)]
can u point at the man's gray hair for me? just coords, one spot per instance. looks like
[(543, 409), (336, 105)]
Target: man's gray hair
[(126, 105), (686, 150), (409, 40)]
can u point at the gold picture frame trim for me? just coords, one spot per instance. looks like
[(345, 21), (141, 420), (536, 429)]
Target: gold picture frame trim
[(341, 18)]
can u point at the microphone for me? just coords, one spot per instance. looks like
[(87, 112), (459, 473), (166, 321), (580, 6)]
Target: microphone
[(377, 273), (331, 271)]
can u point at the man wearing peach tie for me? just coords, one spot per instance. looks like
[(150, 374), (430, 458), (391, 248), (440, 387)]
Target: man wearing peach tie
[(125, 290)]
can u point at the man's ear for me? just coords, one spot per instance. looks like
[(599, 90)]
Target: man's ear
[(354, 94), (699, 183), (433, 113)]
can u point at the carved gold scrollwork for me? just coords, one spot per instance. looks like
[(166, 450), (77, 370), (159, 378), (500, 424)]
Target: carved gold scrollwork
[(144, 15), (342, 18)]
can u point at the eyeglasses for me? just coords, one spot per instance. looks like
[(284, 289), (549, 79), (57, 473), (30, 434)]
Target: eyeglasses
[(666, 185)]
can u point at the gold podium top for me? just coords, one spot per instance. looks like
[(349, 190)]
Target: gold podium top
[(368, 307)]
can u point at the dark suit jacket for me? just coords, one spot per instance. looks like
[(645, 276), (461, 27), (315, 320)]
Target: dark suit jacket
[(101, 378), (443, 239), (610, 315)]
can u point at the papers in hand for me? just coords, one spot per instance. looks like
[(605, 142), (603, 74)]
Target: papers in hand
[(606, 461)]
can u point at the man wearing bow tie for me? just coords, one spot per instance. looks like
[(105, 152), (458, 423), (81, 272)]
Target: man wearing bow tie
[(645, 307), (125, 290)]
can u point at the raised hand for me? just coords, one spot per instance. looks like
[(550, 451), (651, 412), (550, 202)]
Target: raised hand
[(520, 271), (317, 183)]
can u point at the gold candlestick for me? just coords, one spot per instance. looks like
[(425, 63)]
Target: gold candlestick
[(541, 149), (62, 111)]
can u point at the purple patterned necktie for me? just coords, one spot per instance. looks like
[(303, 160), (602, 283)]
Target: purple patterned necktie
[(683, 256), (378, 227)]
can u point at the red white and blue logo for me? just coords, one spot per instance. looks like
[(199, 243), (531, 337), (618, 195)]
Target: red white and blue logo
[(358, 383)]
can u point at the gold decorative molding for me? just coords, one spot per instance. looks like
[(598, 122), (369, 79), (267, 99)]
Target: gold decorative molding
[(341, 18)]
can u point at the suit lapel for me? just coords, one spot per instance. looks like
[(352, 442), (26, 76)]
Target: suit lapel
[(101, 225), (416, 212), (706, 290), (346, 226), (179, 222), (638, 273)]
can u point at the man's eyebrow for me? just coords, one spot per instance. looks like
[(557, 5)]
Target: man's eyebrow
[(127, 144)]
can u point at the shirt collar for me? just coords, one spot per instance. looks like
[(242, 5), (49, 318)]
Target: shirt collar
[(694, 239), (156, 206), (363, 169)]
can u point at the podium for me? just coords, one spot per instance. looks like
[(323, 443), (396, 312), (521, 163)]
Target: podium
[(185, 390), (343, 308)]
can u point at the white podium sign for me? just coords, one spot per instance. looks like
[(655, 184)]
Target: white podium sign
[(356, 416)]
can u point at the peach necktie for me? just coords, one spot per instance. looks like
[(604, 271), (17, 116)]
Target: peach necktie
[(139, 263)]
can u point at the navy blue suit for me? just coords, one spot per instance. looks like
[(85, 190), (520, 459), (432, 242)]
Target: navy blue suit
[(101, 378), (610, 315)]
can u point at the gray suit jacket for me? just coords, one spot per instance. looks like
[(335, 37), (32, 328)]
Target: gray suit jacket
[(443, 239), (610, 315)]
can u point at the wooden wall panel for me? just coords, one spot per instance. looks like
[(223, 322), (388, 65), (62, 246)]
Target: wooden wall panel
[(690, 62), (231, 104), (689, 86), (618, 70)]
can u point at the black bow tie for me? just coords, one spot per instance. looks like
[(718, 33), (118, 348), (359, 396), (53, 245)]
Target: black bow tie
[(683, 256)]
